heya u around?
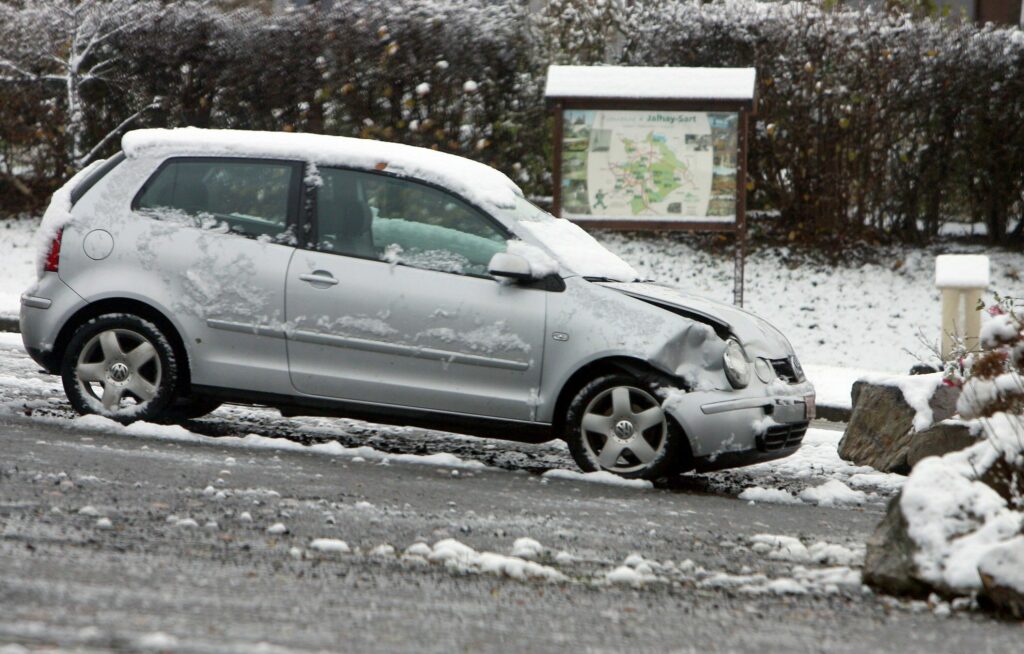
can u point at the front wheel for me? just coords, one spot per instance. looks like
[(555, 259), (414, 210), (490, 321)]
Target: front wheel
[(616, 423), (121, 367)]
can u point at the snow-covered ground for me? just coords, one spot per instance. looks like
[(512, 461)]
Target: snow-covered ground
[(17, 262), (868, 317)]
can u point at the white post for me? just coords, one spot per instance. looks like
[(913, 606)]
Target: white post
[(962, 278)]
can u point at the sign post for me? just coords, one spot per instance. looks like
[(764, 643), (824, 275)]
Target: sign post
[(653, 149)]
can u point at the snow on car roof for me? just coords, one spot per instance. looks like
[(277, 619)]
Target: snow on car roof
[(644, 82), (477, 182)]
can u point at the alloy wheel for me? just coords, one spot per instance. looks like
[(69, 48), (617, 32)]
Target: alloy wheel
[(120, 369), (624, 428)]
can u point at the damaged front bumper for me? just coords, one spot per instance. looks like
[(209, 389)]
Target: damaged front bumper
[(759, 423)]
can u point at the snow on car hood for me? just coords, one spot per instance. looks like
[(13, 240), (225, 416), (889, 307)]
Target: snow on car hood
[(757, 335)]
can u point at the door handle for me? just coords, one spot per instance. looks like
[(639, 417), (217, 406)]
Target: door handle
[(319, 277)]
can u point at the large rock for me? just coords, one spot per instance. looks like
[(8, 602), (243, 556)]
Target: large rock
[(1002, 577), (943, 438), (881, 426), (889, 560)]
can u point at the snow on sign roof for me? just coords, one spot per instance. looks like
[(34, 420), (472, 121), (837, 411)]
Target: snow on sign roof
[(475, 181), (961, 271), (650, 83)]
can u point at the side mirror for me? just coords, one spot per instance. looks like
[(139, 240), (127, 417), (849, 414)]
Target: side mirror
[(511, 266)]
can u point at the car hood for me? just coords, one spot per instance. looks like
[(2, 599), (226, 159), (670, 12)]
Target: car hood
[(756, 335)]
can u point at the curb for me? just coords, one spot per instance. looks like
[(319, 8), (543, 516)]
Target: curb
[(833, 413), (9, 324)]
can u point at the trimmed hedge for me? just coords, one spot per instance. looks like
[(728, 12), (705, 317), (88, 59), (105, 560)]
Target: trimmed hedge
[(872, 127)]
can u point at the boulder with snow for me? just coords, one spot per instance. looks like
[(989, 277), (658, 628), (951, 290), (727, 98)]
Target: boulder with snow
[(949, 527), (940, 439), (889, 413), (1002, 576)]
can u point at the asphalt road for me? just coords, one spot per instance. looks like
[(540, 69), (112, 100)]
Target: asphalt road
[(151, 582)]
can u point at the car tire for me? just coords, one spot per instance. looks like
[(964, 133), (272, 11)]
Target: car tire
[(120, 366), (616, 423), (189, 408)]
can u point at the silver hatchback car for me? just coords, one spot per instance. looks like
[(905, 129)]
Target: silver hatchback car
[(334, 276)]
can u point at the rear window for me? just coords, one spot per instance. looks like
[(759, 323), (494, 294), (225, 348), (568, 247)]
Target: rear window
[(253, 198), (95, 176)]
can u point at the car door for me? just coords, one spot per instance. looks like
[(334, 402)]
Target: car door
[(219, 232), (393, 305)]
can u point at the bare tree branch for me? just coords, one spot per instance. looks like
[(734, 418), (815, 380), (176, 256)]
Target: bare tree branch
[(88, 157)]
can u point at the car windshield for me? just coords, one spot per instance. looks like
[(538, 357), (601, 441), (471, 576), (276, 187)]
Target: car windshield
[(574, 248)]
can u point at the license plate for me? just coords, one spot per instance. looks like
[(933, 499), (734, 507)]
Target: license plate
[(784, 413)]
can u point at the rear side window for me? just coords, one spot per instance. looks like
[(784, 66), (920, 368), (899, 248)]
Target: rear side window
[(253, 198)]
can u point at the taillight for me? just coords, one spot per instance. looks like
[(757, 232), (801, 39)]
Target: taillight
[(53, 257)]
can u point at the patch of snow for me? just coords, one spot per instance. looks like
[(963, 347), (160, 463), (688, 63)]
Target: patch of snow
[(631, 576), (768, 495), (527, 548), (383, 551), (459, 557), (599, 477), (330, 545), (254, 441), (833, 493)]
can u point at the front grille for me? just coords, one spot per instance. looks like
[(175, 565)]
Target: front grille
[(784, 370), (782, 437)]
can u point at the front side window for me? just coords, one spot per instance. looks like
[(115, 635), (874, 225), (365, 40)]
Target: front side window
[(401, 221), (246, 197)]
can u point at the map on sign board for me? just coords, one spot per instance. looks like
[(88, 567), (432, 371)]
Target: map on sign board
[(661, 165)]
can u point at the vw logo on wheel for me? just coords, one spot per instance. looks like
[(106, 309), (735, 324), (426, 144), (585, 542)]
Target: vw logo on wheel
[(119, 372), (624, 429)]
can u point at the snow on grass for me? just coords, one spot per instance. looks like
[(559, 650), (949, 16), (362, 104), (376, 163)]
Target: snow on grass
[(17, 273), (599, 477), (866, 316), (178, 433)]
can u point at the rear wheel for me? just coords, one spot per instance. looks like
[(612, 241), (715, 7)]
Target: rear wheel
[(121, 367), (616, 423)]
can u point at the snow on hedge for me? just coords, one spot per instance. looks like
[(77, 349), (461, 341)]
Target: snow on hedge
[(477, 182)]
